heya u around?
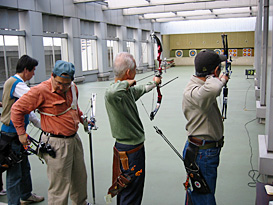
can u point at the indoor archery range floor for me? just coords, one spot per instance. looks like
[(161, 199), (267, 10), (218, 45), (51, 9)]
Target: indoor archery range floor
[(165, 173)]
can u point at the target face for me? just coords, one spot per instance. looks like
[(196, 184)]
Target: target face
[(247, 52), (218, 51), (192, 53), (197, 184), (179, 53)]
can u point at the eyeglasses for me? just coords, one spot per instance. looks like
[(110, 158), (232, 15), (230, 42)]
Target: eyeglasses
[(62, 84)]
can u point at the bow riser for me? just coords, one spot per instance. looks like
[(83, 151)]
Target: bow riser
[(159, 95), (228, 73)]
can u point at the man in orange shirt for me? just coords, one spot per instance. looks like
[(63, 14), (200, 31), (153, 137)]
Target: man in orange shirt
[(57, 101)]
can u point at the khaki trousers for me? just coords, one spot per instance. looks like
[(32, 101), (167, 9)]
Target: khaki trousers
[(66, 173)]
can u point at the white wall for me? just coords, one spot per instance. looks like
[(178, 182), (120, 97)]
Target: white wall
[(209, 26)]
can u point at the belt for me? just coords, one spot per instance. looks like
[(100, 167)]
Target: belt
[(206, 144), (124, 158), (62, 136), (135, 149)]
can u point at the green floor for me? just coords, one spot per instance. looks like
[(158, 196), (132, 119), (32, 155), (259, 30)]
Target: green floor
[(165, 172)]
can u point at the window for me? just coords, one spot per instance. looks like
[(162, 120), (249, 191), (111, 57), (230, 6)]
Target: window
[(55, 48), (144, 52), (89, 54), (9, 55), (112, 47), (131, 48)]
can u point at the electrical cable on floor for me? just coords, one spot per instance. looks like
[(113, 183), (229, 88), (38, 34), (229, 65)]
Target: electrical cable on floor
[(246, 97), (253, 173)]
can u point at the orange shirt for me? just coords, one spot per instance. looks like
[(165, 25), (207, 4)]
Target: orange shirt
[(44, 98)]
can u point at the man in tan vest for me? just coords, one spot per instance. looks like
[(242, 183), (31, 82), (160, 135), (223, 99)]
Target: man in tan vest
[(19, 185)]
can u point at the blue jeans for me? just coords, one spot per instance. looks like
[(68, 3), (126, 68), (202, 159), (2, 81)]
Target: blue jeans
[(18, 182), (208, 161), (132, 195)]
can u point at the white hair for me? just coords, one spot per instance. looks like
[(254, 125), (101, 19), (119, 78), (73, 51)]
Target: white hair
[(123, 61)]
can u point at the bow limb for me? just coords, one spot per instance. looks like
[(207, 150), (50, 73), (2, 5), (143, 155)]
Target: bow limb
[(158, 103), (159, 51)]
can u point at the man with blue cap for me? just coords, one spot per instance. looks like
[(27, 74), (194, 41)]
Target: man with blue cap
[(57, 102)]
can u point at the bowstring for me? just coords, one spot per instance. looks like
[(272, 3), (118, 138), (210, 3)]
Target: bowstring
[(140, 60), (88, 107)]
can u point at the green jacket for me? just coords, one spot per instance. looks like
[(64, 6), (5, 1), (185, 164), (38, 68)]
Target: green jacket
[(123, 114)]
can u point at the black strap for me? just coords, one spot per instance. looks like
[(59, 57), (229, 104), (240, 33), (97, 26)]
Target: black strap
[(62, 136)]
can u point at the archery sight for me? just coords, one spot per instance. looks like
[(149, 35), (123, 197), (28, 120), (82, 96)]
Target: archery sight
[(90, 125)]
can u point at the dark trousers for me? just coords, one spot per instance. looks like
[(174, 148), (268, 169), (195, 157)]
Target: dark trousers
[(132, 195), (1, 181), (18, 183)]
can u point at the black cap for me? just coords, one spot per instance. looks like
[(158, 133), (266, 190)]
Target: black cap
[(206, 61)]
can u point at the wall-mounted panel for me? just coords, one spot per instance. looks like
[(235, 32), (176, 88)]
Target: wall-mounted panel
[(209, 26), (4, 19), (10, 3), (57, 7), (211, 40), (69, 8), (98, 14), (9, 19), (53, 24), (26, 4), (43, 6)]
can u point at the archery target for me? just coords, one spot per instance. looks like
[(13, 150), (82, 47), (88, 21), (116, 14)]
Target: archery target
[(192, 53), (179, 53), (233, 52), (247, 52), (197, 184), (218, 51)]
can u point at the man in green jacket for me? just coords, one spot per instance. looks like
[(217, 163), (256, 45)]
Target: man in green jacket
[(126, 126)]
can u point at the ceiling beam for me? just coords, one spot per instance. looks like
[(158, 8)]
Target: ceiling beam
[(161, 20), (123, 4), (252, 11), (86, 1), (190, 7)]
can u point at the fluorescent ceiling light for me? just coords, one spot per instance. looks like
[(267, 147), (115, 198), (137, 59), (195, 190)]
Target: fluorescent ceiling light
[(169, 19), (194, 13), (112, 4), (159, 15), (254, 8), (127, 3), (200, 17), (233, 15), (231, 10), (157, 2)]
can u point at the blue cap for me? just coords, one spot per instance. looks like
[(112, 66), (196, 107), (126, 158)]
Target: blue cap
[(63, 67)]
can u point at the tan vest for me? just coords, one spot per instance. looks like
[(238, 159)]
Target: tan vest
[(7, 101)]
